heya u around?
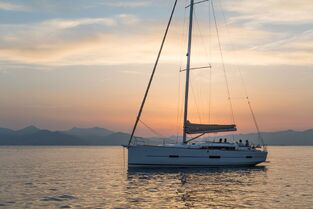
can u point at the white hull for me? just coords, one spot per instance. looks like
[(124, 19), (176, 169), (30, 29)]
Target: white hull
[(159, 156)]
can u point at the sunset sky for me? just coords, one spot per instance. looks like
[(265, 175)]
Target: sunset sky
[(87, 63)]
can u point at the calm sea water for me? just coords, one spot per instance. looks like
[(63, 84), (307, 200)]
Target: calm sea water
[(96, 177)]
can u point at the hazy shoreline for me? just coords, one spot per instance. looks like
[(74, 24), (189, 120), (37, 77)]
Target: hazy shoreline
[(33, 136)]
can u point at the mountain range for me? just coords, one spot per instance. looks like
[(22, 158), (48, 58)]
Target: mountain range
[(32, 135)]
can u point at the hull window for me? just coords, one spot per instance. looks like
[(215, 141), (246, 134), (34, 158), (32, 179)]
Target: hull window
[(173, 156), (215, 156)]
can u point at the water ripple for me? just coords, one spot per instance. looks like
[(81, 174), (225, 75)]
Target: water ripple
[(95, 177), (59, 198)]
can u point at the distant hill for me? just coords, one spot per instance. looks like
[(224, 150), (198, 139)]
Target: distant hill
[(28, 130), (89, 132), (289, 137), (32, 135), (6, 131)]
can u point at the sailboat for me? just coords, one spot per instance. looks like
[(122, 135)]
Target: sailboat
[(187, 154)]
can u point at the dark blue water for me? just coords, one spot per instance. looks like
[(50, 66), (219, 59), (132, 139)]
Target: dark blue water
[(96, 177)]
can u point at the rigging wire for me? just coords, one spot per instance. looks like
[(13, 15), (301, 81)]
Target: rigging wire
[(152, 74), (204, 46), (256, 124), (210, 96), (208, 56), (179, 107), (195, 101), (151, 129), (223, 64), (243, 83), (201, 36), (210, 75)]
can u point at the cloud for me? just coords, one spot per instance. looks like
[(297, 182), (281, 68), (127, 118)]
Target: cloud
[(128, 4), (298, 42), (12, 7), (38, 34), (114, 49), (140, 47), (120, 39), (68, 23), (272, 11), (128, 19)]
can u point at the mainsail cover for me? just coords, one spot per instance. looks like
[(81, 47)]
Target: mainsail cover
[(192, 128)]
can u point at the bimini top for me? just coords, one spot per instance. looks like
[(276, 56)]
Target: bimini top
[(193, 128)]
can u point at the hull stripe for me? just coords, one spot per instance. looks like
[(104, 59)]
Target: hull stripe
[(209, 157), (181, 165)]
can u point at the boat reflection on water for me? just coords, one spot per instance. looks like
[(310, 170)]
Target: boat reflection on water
[(192, 170), (195, 187)]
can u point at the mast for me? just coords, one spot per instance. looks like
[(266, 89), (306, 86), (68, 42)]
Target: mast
[(187, 71)]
